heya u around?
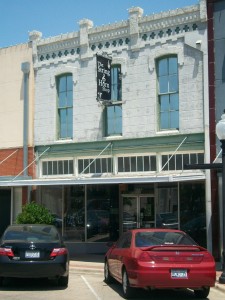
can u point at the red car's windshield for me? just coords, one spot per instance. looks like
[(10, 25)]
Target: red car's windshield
[(146, 239)]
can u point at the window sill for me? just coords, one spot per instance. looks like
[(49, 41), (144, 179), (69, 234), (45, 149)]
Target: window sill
[(63, 141), (167, 132), (112, 103), (113, 137)]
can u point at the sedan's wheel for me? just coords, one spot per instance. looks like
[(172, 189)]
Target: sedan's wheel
[(127, 290), (108, 277), (63, 281), (1, 281), (203, 293)]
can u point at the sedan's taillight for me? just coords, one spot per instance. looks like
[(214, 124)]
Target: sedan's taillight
[(144, 256), (208, 257), (6, 252), (58, 252)]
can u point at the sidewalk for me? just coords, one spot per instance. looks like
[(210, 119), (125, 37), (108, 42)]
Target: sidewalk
[(88, 263), (219, 285)]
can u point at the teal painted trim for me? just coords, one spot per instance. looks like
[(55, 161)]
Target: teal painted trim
[(194, 142), (11, 178)]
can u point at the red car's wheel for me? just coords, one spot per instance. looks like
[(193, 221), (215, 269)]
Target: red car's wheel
[(127, 290), (108, 277), (203, 293)]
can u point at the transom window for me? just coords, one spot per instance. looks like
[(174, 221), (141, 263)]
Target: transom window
[(104, 165), (137, 163), (95, 166), (57, 167), (65, 106), (168, 93), (177, 161)]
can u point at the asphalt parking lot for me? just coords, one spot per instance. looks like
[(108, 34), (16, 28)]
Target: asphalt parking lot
[(87, 282)]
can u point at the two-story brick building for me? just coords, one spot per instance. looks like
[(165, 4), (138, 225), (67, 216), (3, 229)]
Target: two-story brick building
[(107, 164)]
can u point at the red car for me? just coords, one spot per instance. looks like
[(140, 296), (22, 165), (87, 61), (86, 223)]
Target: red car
[(159, 259)]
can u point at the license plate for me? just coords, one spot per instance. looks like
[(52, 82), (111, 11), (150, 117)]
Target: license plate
[(32, 254), (178, 273)]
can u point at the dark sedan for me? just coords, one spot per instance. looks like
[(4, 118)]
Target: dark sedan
[(34, 251)]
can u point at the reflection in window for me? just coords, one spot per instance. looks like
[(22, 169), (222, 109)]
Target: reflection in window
[(97, 222), (167, 207), (192, 211), (168, 93), (102, 213), (65, 105)]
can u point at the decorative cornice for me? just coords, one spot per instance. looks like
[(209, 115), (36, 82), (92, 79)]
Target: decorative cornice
[(148, 30)]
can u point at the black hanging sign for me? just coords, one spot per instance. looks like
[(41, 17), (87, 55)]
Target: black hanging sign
[(103, 78)]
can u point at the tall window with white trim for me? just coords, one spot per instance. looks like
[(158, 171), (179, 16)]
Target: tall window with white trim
[(168, 93), (65, 106), (113, 112)]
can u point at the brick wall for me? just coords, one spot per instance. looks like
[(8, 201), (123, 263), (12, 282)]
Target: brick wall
[(11, 161)]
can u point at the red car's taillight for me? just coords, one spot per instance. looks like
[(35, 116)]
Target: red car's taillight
[(58, 252), (207, 257), (145, 256), (6, 252)]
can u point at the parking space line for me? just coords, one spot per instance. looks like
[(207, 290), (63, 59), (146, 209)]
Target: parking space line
[(90, 288)]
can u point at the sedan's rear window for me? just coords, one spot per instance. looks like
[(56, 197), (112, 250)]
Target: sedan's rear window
[(43, 233), (145, 239)]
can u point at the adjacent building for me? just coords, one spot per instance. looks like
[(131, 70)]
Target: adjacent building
[(16, 123), (216, 54)]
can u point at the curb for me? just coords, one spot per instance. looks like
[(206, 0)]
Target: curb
[(79, 267), (219, 286)]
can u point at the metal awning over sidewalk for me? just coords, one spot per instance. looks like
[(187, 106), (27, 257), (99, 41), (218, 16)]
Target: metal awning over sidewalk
[(101, 180)]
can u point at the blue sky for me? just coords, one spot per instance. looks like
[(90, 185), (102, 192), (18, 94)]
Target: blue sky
[(53, 17)]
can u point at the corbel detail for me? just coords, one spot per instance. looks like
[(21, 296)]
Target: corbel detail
[(166, 50), (63, 70)]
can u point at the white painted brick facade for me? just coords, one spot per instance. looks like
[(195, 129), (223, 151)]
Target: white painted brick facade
[(139, 82)]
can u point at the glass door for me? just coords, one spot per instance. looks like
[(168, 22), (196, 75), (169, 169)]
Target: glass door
[(130, 212), (138, 212), (147, 211)]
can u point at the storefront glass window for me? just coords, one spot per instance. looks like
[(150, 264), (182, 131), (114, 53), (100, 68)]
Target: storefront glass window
[(102, 213), (97, 221), (74, 199), (192, 211), (167, 207)]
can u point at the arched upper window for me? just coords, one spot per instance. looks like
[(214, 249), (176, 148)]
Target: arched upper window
[(168, 92), (65, 106)]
